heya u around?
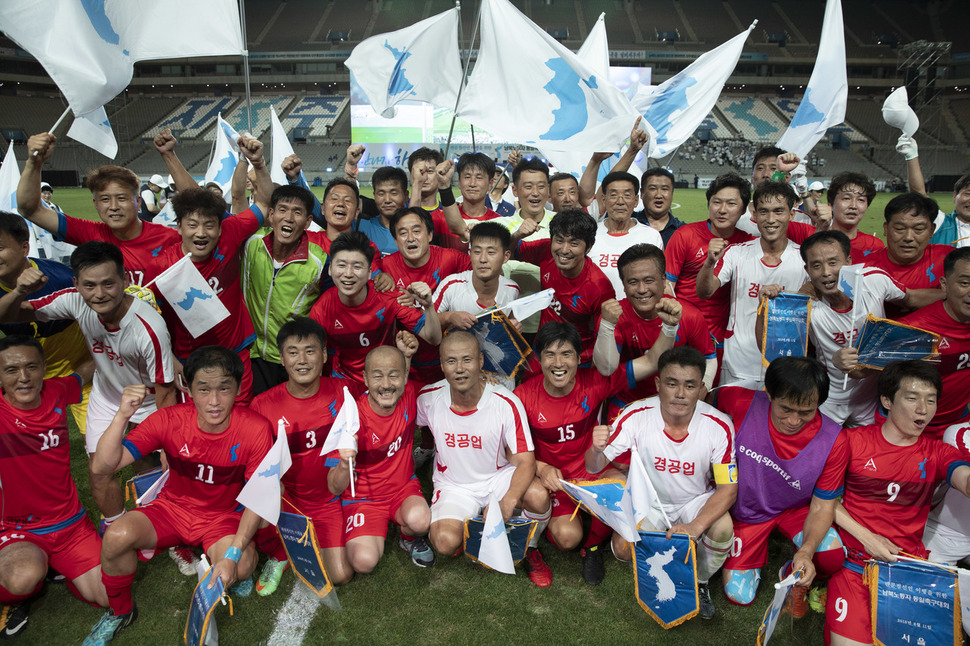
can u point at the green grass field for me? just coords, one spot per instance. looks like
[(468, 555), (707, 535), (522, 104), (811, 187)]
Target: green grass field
[(455, 602)]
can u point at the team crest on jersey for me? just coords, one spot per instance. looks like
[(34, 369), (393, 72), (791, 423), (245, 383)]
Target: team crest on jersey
[(184, 451), (19, 423), (375, 438), (400, 283), (542, 418), (337, 325), (700, 253), (545, 277), (870, 465), (944, 344), (796, 484)]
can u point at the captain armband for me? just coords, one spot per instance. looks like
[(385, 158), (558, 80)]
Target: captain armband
[(725, 474)]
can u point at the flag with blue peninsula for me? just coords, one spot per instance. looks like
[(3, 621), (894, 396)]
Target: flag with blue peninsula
[(225, 156), (665, 576), (261, 494), (191, 297), (504, 348)]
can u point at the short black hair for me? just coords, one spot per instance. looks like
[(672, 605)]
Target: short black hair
[(14, 226), (94, 252), (797, 379), (352, 241), (198, 200), (301, 327), (767, 151), (657, 171), (683, 355), (423, 215), (730, 180), (774, 189), (342, 181), (481, 161), (620, 176), (389, 174), (891, 377), (822, 237), (952, 258), (848, 178), (556, 332), (491, 231), (576, 224), (961, 183), (641, 251), (920, 204), (425, 154), (560, 177), (524, 165), (18, 340), (291, 193), (213, 356)]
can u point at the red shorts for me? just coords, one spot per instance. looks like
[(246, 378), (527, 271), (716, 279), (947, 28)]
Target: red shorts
[(72, 550), (176, 525), (847, 607), (363, 517), (327, 517), (750, 547)]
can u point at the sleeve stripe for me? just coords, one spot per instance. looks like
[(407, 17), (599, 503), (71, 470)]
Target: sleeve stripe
[(128, 444), (156, 360), (727, 432), (671, 277), (953, 467), (521, 444), (631, 381), (444, 288), (419, 325), (828, 495), (44, 301)]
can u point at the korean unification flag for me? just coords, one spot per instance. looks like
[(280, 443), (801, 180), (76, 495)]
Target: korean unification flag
[(191, 297), (665, 577), (9, 179), (827, 92), (262, 492), (417, 63), (528, 88), (282, 148), (675, 108), (89, 47), (603, 499), (94, 131), (595, 50), (850, 280), (343, 432), (494, 551), (224, 157)]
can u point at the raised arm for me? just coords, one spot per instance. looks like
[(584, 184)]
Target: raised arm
[(707, 282), (444, 172), (13, 309), (906, 146), (111, 455), (252, 150), (39, 149), (606, 356), (165, 145), (669, 311), (431, 330)]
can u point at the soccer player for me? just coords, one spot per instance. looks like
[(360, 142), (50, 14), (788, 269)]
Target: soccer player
[(484, 447), (358, 318), (390, 186), (886, 475), (580, 286), (564, 192), (42, 523), (386, 487), (908, 256), (212, 447), (947, 533), (657, 195), (431, 190), (307, 404), (782, 443), (954, 227), (619, 230), (125, 336), (629, 328), (563, 405), (850, 195), (283, 274), (950, 318), (475, 171), (767, 265), (685, 445), (115, 193)]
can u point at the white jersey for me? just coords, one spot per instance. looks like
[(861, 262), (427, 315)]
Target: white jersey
[(742, 266), (954, 510), (607, 248), (456, 293), (472, 446), (831, 330), (680, 470), (139, 351)]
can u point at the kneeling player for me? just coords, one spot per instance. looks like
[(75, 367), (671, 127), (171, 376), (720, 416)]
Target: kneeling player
[(42, 522), (212, 449), (684, 444), (484, 446), (385, 487)]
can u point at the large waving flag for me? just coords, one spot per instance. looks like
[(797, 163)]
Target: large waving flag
[(827, 92), (672, 112), (224, 157), (9, 179), (94, 131), (282, 148), (89, 47), (527, 88), (419, 63), (595, 50), (261, 494), (494, 550), (190, 295)]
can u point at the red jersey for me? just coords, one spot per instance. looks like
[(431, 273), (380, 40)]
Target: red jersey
[(798, 232), (577, 300), (562, 427), (485, 217), (37, 489), (307, 423), (426, 363), (139, 252), (352, 332), (221, 271), (864, 244), (685, 254), (635, 336), (320, 238), (442, 235), (923, 274), (384, 463), (206, 470), (954, 364), (888, 488)]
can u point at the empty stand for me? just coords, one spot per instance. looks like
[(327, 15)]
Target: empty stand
[(315, 113), (260, 106), (193, 117), (752, 118)]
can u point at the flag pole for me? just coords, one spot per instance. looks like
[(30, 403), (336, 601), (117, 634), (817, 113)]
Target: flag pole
[(60, 119), (474, 148), (464, 74), (245, 63)]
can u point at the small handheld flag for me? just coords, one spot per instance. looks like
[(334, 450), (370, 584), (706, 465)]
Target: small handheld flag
[(786, 327), (602, 498), (494, 551), (782, 592), (262, 493), (665, 577), (343, 433), (204, 601), (191, 297), (282, 148)]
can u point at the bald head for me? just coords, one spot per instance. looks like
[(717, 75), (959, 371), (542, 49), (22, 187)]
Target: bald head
[(386, 355), (385, 375), (461, 362), (459, 336)]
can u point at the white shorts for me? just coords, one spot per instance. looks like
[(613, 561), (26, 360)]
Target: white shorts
[(101, 410), (683, 514), (945, 545), (454, 502)]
